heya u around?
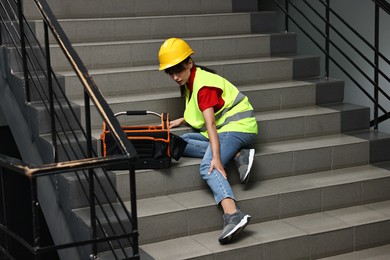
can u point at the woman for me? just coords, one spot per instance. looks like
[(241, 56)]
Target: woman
[(225, 124)]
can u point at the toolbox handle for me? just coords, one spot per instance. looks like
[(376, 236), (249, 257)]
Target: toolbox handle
[(137, 113), (164, 117)]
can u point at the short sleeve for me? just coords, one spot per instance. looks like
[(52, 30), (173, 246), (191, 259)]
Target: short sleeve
[(210, 97)]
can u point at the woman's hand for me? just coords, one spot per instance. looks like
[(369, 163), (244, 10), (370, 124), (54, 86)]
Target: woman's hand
[(208, 115), (176, 123), (217, 165)]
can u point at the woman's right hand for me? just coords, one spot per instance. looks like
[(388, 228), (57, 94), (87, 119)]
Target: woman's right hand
[(176, 123)]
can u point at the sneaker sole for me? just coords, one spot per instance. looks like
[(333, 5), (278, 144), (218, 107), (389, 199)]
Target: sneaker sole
[(251, 159), (237, 229)]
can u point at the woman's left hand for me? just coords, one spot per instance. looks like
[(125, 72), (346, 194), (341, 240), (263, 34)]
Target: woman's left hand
[(176, 123)]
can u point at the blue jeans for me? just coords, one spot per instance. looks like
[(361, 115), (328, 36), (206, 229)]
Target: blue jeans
[(230, 143)]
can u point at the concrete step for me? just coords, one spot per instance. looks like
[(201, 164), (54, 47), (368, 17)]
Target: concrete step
[(148, 79), (310, 236), (158, 27), (304, 121), (134, 53), (300, 122), (375, 253), (272, 160), (65, 117), (300, 116), (182, 214), (125, 8), (266, 96), (72, 145)]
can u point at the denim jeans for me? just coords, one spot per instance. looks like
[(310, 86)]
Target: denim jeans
[(230, 143)]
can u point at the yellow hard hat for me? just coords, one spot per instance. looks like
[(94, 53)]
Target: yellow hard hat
[(172, 52)]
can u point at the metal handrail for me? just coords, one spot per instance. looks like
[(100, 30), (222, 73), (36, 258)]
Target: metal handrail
[(374, 81), (86, 165), (85, 78), (33, 171)]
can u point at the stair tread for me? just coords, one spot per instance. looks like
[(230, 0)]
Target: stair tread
[(263, 115), (155, 67), (306, 111), (108, 53), (271, 231), (148, 27), (377, 253), (174, 92), (156, 40), (265, 188), (307, 143), (202, 198), (124, 8), (88, 19)]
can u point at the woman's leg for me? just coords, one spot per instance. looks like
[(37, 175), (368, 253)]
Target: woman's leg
[(234, 219), (230, 144), (197, 145)]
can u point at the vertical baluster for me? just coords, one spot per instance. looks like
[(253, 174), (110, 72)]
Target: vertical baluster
[(327, 39), (35, 218), (286, 7), (376, 70), (134, 214), (24, 52), (51, 93), (90, 174), (4, 209)]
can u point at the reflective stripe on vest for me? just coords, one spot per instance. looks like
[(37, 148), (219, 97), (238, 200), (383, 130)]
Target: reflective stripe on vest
[(232, 118), (238, 99)]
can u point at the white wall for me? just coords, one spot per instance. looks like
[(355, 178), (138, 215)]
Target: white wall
[(360, 14), (362, 17)]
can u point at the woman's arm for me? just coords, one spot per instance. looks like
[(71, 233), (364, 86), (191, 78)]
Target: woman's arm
[(216, 163), (177, 122)]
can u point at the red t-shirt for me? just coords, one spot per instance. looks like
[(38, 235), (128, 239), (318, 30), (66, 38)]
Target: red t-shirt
[(208, 96)]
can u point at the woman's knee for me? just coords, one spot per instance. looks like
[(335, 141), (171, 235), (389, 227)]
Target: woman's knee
[(185, 137)]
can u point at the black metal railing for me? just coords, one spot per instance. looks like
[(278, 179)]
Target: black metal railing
[(74, 148), (320, 17), (33, 173)]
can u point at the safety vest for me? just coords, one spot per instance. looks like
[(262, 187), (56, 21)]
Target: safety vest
[(235, 116)]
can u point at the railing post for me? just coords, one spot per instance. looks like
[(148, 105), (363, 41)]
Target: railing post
[(134, 214), (92, 205), (51, 93), (92, 212), (327, 39), (4, 209), (35, 218), (376, 70), (24, 52)]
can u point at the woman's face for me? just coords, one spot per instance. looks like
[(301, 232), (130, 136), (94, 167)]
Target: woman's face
[(181, 74)]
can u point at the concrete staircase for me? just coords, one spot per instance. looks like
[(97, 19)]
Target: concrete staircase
[(320, 181)]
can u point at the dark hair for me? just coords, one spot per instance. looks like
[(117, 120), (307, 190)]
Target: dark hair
[(206, 69), (179, 67)]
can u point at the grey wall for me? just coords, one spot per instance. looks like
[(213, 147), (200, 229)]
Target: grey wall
[(360, 14)]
